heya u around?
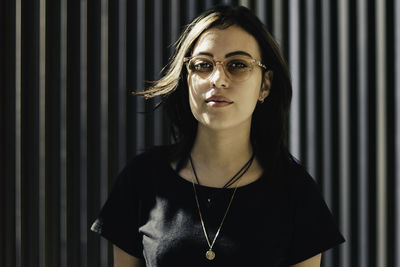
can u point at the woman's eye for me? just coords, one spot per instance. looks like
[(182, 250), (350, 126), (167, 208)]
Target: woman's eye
[(202, 66), (237, 65)]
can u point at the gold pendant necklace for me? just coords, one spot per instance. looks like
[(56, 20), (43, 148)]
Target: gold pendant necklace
[(210, 254)]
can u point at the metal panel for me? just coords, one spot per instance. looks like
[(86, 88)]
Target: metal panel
[(73, 125)]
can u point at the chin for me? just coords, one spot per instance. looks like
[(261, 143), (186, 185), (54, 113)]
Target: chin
[(220, 125)]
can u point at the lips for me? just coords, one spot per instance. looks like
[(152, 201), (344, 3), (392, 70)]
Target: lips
[(218, 98), (218, 101)]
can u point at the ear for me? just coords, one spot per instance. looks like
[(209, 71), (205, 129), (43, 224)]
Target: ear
[(266, 85)]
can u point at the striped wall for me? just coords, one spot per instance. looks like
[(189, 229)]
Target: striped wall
[(68, 123)]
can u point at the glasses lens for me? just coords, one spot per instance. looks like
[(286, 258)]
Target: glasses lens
[(239, 69), (236, 68), (201, 66)]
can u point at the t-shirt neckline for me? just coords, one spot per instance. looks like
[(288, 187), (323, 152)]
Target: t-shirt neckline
[(179, 179)]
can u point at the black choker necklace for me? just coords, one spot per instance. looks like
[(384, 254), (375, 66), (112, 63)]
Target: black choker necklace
[(235, 178)]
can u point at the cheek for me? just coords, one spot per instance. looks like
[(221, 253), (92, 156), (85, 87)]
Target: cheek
[(253, 91), (193, 100), (250, 103), (250, 96), (195, 95)]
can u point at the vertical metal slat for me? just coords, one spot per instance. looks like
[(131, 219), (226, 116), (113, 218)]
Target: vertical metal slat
[(381, 134), (190, 10), (244, 3), (140, 58), (311, 134), (63, 133), (208, 4), (327, 114), (261, 10), (83, 133), (397, 133), (294, 63), (174, 22), (42, 133), (344, 125), (157, 65), (278, 18), (18, 152), (363, 151), (122, 93), (104, 119)]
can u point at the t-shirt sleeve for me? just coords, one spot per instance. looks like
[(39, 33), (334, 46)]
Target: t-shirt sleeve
[(118, 220), (315, 230)]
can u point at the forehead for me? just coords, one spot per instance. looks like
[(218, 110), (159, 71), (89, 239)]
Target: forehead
[(220, 42)]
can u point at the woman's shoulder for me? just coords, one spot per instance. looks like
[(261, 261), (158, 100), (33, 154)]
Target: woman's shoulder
[(148, 159), (297, 176), (145, 165)]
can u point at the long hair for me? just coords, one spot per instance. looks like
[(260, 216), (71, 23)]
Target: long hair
[(270, 119)]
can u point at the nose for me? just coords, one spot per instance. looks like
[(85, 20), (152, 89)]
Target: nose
[(218, 77)]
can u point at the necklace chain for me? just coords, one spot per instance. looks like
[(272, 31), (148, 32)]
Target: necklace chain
[(223, 219), (235, 177), (210, 254)]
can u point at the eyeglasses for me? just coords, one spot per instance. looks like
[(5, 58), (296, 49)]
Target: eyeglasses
[(236, 68)]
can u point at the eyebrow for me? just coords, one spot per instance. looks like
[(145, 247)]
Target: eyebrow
[(229, 54), (238, 53)]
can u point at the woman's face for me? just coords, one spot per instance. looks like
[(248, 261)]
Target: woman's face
[(216, 101)]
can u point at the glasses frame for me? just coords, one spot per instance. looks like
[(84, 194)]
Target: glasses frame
[(253, 61)]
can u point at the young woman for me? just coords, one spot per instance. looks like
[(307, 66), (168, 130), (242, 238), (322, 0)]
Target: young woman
[(227, 192)]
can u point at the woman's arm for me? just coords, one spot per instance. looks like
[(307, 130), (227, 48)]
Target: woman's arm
[(311, 262), (123, 259)]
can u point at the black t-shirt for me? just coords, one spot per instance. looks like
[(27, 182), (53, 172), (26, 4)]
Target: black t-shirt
[(151, 213)]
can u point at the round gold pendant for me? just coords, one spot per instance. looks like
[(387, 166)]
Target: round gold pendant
[(210, 255)]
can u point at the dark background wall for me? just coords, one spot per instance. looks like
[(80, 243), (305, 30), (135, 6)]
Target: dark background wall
[(68, 123)]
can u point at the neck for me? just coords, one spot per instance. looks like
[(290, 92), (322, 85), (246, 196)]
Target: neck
[(219, 155), (228, 149)]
